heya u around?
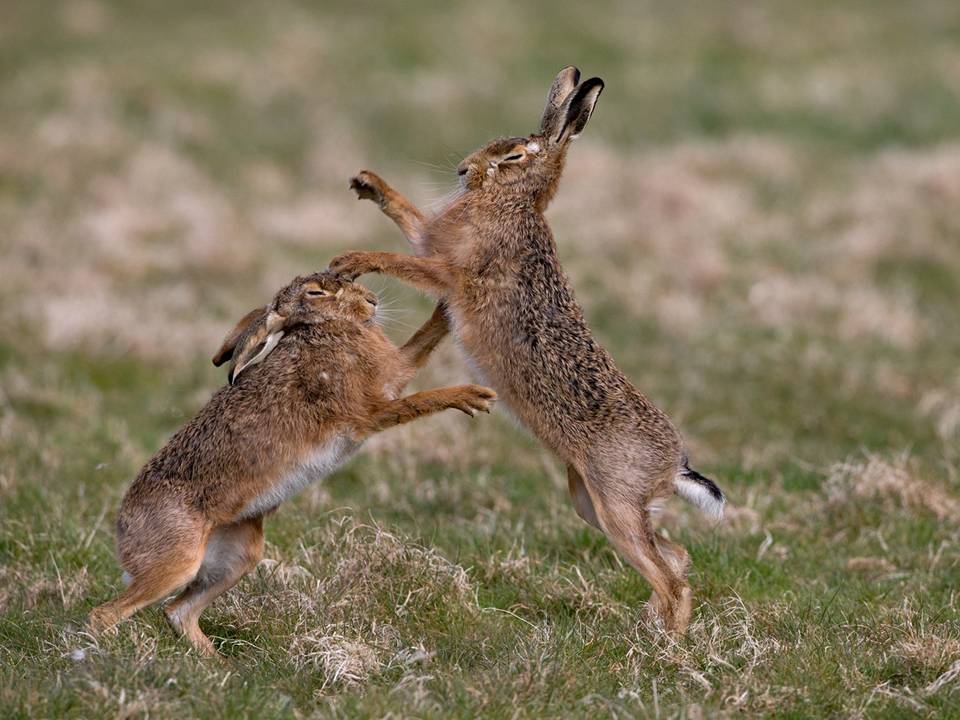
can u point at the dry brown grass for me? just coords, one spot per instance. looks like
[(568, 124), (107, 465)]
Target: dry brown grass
[(893, 484)]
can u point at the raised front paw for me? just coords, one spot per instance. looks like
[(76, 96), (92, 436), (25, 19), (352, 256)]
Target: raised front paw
[(369, 186), (471, 398), (351, 265)]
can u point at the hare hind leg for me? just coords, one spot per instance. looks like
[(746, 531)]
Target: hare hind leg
[(662, 564), (679, 560), (157, 578), (581, 498), (232, 551)]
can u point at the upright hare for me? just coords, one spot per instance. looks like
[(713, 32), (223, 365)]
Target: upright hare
[(193, 518), (491, 259)]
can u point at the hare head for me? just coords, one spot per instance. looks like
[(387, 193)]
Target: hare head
[(307, 300), (531, 166)]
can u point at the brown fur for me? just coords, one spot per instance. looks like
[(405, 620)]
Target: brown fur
[(187, 520), (490, 256)]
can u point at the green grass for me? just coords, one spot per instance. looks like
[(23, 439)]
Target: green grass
[(760, 222)]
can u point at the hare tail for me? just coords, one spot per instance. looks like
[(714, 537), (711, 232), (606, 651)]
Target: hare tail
[(700, 491)]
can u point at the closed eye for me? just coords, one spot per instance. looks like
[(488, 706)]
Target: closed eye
[(513, 158), (317, 293)]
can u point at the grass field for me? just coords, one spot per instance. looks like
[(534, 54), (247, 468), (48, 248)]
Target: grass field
[(761, 222)]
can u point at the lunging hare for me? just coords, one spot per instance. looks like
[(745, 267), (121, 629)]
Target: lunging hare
[(490, 256), (193, 518)]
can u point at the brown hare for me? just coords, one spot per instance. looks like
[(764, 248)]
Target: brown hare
[(193, 518), (490, 257)]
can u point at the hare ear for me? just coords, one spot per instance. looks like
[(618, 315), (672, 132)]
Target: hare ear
[(579, 108), (233, 337), (564, 84), (256, 343)]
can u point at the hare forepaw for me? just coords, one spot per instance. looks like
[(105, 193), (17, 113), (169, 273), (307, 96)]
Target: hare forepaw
[(351, 265), (474, 398), (369, 186)]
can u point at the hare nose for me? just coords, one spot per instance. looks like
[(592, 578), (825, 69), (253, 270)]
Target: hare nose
[(462, 170)]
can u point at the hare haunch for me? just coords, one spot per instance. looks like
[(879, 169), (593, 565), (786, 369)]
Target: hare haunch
[(327, 378), (490, 257)]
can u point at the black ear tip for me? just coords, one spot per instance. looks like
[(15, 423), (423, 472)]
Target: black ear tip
[(592, 83)]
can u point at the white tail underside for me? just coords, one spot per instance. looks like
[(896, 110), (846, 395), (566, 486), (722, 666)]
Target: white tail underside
[(696, 494)]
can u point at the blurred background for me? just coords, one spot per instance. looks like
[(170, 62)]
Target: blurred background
[(761, 221)]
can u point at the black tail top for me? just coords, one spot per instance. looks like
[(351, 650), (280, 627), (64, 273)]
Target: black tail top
[(709, 485)]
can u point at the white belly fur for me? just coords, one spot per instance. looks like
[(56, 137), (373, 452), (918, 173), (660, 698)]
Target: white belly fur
[(317, 464)]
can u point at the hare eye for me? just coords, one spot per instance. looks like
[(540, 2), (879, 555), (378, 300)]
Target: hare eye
[(511, 158), (317, 293)]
